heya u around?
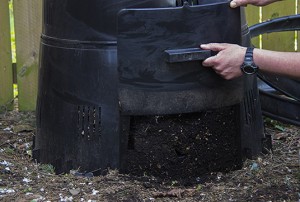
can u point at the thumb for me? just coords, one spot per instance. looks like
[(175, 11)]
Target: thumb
[(237, 3), (233, 4), (214, 46)]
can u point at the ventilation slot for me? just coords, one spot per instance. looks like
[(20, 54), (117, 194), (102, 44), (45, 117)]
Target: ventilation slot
[(89, 122), (249, 107)]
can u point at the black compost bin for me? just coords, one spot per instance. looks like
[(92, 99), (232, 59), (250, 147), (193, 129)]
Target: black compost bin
[(121, 85)]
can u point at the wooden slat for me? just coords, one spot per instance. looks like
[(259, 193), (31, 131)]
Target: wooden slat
[(28, 26), (282, 41), (252, 15), (6, 82), (298, 39)]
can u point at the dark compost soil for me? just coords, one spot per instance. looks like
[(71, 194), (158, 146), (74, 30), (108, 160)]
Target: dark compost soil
[(184, 146)]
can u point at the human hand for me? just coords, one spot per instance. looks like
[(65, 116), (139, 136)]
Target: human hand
[(227, 63), (237, 3)]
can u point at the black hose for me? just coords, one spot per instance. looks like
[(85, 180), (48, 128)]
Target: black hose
[(286, 23)]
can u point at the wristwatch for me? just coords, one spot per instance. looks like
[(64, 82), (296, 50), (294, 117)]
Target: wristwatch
[(248, 66)]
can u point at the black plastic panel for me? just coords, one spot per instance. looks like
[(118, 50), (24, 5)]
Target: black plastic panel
[(149, 84), (89, 20)]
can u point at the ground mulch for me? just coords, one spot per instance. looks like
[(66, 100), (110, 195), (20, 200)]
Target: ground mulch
[(270, 177)]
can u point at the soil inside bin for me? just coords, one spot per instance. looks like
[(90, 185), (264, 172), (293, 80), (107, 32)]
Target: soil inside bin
[(184, 146)]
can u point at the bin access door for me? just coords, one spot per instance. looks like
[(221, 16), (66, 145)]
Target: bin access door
[(160, 63)]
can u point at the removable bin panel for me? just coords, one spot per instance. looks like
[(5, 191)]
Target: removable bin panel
[(151, 85), (77, 111)]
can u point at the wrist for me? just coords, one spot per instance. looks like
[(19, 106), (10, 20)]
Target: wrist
[(249, 67)]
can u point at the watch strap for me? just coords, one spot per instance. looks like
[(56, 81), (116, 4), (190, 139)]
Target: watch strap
[(248, 66), (249, 55)]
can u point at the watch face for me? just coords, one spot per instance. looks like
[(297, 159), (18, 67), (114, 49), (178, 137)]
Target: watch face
[(249, 69)]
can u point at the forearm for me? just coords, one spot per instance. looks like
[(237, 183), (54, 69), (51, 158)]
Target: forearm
[(282, 63)]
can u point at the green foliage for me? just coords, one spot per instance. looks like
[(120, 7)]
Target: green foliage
[(275, 124), (9, 151), (47, 168), (12, 31), (15, 90), (199, 187), (28, 189)]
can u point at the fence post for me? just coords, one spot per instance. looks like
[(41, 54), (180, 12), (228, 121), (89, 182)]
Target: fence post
[(28, 28), (6, 78), (281, 41)]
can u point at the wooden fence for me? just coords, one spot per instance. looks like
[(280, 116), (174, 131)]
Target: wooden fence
[(27, 24), (28, 27)]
